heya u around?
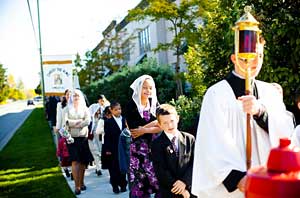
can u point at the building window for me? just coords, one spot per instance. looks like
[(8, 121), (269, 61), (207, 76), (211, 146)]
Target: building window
[(144, 40), (126, 51)]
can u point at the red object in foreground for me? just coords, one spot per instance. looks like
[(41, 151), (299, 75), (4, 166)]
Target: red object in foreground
[(281, 178)]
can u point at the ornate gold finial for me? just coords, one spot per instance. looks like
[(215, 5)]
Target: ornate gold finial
[(246, 35), (247, 9)]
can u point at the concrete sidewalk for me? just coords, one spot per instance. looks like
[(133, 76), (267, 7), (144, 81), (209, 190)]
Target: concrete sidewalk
[(97, 186)]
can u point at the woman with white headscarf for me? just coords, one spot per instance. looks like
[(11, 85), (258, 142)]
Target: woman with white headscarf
[(141, 119), (77, 119)]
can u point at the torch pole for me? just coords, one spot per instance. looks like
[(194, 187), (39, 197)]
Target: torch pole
[(246, 39), (248, 129)]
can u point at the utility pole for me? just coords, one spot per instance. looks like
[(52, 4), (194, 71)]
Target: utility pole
[(41, 57)]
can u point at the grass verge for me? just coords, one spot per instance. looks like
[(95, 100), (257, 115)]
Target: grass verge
[(28, 165)]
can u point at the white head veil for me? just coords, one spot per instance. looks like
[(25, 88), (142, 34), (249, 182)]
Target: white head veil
[(137, 90), (82, 105)]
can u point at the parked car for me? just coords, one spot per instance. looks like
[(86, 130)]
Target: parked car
[(30, 102), (38, 98)]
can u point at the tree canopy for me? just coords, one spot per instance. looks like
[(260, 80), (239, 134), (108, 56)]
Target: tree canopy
[(184, 18), (4, 90), (279, 21), (9, 89)]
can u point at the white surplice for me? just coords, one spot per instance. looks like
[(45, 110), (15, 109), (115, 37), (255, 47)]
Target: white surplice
[(296, 137), (221, 136)]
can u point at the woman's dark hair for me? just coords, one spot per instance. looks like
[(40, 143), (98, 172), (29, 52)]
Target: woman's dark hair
[(64, 100), (66, 91), (106, 110), (98, 112)]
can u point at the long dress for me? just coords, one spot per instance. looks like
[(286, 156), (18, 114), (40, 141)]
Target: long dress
[(142, 179), (220, 143)]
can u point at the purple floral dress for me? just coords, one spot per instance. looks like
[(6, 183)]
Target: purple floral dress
[(142, 179)]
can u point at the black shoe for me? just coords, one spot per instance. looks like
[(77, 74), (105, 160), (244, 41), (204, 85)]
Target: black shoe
[(77, 192), (67, 172), (83, 187), (98, 172), (72, 177), (123, 189), (116, 189)]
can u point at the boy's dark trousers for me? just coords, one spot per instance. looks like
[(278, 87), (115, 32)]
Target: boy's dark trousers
[(117, 179)]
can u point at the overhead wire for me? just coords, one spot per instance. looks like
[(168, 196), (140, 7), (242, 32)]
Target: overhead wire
[(32, 24)]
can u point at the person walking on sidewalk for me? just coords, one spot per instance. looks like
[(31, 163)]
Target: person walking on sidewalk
[(102, 102), (112, 131), (172, 155), (105, 161), (77, 118), (95, 144), (221, 170), (141, 120), (62, 150)]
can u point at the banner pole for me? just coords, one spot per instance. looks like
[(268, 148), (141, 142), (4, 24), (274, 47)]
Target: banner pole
[(41, 57)]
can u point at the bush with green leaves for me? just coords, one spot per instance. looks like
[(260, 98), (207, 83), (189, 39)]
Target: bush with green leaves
[(117, 86), (188, 109)]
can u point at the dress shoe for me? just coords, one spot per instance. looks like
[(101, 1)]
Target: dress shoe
[(116, 190), (123, 189), (98, 172), (83, 187), (67, 172), (77, 192)]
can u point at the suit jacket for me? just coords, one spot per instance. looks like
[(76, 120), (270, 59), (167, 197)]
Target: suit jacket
[(111, 135), (168, 167)]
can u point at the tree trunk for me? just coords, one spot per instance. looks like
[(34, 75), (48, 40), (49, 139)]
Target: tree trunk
[(179, 90)]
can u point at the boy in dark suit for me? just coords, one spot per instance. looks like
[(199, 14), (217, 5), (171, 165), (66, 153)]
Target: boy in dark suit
[(112, 130), (172, 155)]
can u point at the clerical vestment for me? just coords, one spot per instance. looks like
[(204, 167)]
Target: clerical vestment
[(221, 137)]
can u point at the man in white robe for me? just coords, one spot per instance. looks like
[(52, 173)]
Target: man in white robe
[(220, 150)]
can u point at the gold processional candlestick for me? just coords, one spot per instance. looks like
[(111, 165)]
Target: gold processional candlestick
[(246, 38)]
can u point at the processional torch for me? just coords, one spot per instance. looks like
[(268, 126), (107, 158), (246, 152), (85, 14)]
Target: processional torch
[(246, 39)]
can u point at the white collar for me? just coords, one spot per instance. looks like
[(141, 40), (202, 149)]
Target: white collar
[(170, 136), (117, 118), (118, 121)]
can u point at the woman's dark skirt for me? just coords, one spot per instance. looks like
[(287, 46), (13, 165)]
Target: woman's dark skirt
[(79, 150)]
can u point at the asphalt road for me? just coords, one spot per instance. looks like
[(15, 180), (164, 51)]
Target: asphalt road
[(12, 116)]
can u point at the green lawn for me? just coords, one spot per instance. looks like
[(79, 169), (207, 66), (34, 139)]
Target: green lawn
[(28, 165)]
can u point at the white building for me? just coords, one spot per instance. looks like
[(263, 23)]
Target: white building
[(135, 40)]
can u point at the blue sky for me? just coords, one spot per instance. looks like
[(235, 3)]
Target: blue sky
[(67, 27)]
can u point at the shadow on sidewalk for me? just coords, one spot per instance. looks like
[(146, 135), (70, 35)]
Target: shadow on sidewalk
[(97, 186)]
